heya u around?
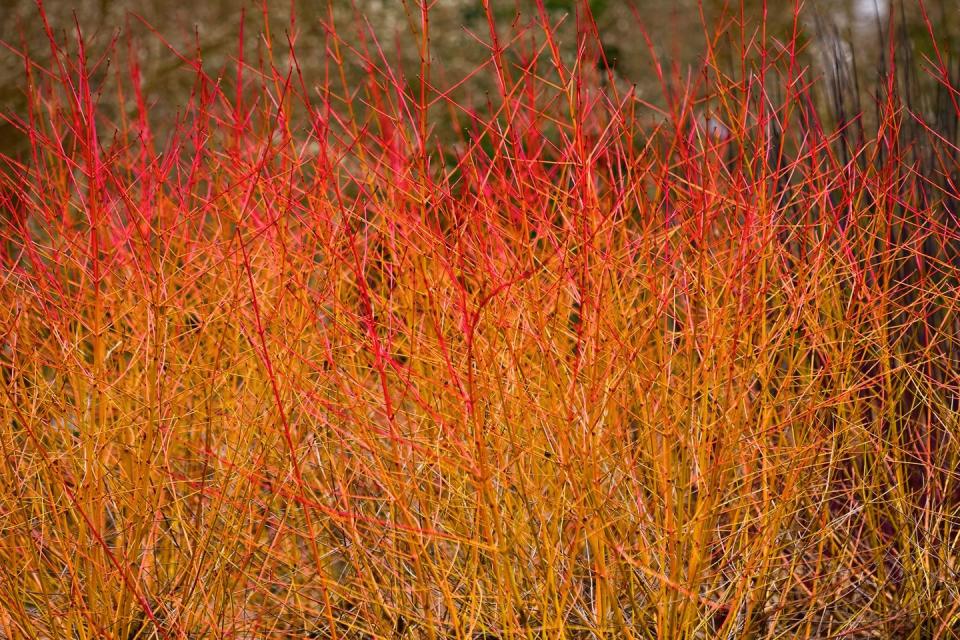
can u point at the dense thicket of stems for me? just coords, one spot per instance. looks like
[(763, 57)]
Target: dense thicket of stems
[(360, 359)]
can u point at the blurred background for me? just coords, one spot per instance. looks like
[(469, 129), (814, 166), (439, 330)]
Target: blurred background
[(850, 30)]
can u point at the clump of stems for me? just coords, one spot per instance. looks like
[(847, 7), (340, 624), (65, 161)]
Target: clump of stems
[(376, 356)]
